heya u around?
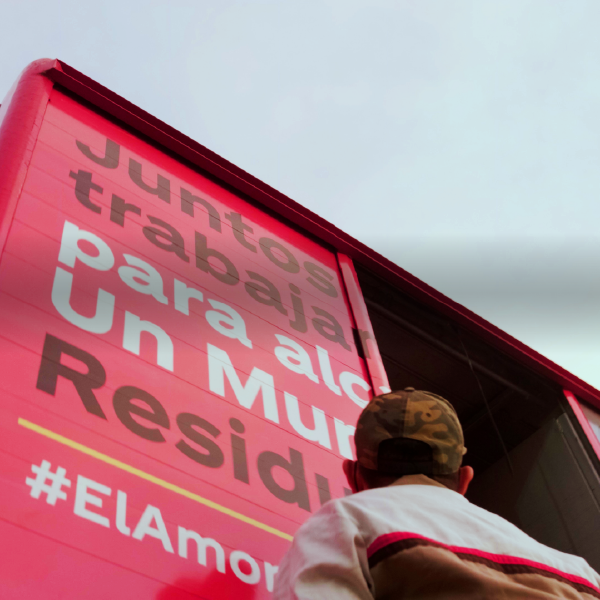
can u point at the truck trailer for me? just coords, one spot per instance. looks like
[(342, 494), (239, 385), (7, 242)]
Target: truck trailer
[(186, 351)]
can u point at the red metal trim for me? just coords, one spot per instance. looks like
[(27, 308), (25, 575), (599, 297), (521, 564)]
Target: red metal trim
[(21, 117), (379, 380), (265, 195), (585, 424)]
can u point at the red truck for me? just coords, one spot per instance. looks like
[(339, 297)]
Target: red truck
[(186, 350)]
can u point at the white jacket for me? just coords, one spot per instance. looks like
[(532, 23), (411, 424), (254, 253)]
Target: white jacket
[(419, 539)]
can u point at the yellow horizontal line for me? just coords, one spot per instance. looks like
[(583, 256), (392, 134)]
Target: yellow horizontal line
[(156, 480)]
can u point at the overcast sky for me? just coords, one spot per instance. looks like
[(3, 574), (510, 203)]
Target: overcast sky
[(461, 139)]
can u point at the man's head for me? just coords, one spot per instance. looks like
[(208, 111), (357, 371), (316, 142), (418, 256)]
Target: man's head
[(405, 433)]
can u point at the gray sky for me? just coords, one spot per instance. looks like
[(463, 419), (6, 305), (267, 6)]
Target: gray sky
[(461, 139)]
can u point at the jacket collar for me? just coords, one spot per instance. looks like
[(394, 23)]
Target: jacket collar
[(418, 480)]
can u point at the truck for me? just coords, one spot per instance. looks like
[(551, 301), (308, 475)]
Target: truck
[(186, 351)]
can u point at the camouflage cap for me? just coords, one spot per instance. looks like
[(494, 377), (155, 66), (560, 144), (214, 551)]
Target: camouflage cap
[(389, 422)]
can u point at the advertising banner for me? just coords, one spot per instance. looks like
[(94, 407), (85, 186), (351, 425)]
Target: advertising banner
[(181, 377)]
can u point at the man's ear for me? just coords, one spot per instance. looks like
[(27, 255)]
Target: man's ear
[(465, 476), (349, 467)]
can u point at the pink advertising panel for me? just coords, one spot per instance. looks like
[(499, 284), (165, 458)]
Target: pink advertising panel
[(366, 335), (180, 378), (589, 419)]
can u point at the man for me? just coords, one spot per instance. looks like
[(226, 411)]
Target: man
[(409, 532)]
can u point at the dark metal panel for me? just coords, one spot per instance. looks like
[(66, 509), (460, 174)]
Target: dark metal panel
[(553, 494)]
